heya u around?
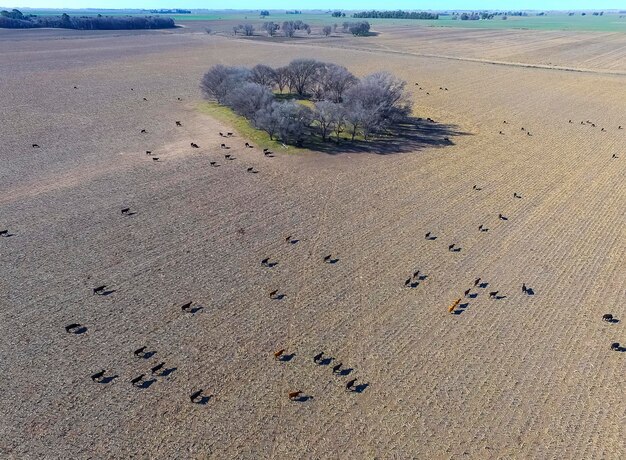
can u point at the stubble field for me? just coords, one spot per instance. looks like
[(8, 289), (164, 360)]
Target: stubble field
[(518, 377)]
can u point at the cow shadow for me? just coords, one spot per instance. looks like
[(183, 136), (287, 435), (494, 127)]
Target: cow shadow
[(145, 384), (325, 361), (303, 398), (344, 372), (422, 277), (195, 310), (530, 291), (81, 330), (360, 388), (279, 297), (286, 358), (108, 379), (107, 293), (483, 285), (473, 295), (167, 372), (203, 401)]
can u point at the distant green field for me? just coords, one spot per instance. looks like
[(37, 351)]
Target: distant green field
[(552, 21), (605, 23)]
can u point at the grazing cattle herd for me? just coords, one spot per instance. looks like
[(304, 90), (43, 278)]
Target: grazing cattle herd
[(338, 369)]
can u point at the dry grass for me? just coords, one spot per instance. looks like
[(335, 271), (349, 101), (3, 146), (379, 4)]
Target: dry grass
[(518, 377)]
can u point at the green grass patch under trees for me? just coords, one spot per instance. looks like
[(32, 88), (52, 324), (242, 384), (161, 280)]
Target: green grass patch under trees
[(240, 124)]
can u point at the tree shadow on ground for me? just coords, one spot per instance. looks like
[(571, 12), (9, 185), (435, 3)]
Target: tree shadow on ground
[(412, 135)]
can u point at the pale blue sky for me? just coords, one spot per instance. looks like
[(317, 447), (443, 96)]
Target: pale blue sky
[(327, 4)]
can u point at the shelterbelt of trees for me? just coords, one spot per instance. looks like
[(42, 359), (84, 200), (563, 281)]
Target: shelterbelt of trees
[(15, 19)]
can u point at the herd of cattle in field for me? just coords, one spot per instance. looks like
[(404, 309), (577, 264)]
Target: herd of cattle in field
[(282, 355)]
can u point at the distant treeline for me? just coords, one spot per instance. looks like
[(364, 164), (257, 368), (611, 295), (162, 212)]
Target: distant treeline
[(16, 20), (399, 14), (175, 11)]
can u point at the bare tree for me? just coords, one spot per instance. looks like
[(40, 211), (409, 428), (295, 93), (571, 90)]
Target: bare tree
[(289, 29), (270, 27), (248, 99), (327, 30), (339, 119), (282, 77), (324, 117), (263, 75), (248, 30), (376, 102), (220, 80), (334, 80), (268, 119), (294, 122), (389, 94), (355, 116), (302, 72)]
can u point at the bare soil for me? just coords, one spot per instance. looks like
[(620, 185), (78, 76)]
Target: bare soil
[(517, 377)]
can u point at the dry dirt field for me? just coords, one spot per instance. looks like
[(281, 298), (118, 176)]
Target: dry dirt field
[(587, 51), (518, 377)]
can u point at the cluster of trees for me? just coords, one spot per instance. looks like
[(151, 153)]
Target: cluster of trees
[(293, 12), (16, 20), (469, 17), (264, 13), (245, 29), (359, 28), (289, 28), (338, 14), (399, 14), (474, 16), (341, 102)]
